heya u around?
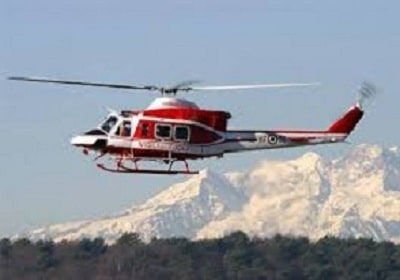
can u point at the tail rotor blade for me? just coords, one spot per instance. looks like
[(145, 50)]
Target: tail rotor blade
[(366, 91)]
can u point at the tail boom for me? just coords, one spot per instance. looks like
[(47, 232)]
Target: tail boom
[(338, 131)]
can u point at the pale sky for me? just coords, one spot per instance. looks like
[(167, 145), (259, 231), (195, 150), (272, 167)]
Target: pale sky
[(44, 180)]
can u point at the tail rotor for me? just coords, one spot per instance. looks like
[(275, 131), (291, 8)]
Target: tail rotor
[(366, 91)]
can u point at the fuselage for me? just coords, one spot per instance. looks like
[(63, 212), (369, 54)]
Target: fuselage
[(176, 129)]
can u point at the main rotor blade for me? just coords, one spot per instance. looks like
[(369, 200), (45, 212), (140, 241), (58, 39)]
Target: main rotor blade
[(238, 87), (182, 87), (81, 83)]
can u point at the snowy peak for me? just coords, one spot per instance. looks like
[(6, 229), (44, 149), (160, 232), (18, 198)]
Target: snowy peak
[(206, 184), (309, 160), (377, 167), (373, 154), (395, 150), (282, 177), (366, 151)]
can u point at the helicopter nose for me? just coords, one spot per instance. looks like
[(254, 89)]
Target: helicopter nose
[(83, 140), (89, 141)]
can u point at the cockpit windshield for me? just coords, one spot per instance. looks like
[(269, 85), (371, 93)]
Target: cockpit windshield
[(109, 124)]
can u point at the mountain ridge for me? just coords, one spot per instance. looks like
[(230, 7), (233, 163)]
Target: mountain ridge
[(356, 195)]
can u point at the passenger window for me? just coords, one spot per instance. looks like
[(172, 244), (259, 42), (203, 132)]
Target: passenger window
[(163, 131), (181, 133)]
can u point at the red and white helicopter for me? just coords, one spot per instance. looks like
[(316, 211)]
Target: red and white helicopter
[(172, 129)]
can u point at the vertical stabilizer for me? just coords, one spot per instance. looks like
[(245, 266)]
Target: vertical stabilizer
[(348, 121)]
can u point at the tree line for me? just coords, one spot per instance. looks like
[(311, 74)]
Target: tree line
[(235, 256)]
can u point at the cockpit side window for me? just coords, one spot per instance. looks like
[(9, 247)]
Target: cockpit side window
[(109, 124), (126, 128)]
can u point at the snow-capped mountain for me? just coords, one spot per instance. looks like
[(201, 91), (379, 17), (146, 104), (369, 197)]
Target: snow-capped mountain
[(357, 195)]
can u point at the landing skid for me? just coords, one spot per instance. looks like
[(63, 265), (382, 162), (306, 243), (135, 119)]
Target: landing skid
[(126, 170)]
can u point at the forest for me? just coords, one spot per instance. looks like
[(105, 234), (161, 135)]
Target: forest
[(235, 256)]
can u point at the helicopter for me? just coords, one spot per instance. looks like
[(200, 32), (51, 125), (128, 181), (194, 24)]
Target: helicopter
[(173, 129)]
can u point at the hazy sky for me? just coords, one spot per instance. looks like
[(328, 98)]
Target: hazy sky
[(44, 180)]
